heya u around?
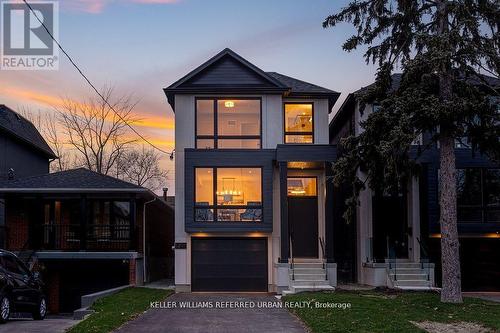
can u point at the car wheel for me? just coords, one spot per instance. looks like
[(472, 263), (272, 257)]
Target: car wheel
[(4, 309), (41, 309)]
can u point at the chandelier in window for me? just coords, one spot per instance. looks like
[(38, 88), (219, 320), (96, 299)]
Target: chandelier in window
[(229, 190)]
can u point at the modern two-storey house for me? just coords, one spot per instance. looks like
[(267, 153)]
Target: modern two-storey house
[(253, 208)]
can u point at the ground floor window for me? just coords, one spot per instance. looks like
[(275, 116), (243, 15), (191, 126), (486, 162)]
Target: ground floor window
[(228, 194), (478, 195)]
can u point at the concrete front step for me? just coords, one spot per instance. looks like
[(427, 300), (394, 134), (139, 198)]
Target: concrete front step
[(316, 287), (310, 277), (412, 283), (410, 277), (307, 260), (409, 271), (308, 271), (417, 288), (308, 265), (403, 265), (308, 282)]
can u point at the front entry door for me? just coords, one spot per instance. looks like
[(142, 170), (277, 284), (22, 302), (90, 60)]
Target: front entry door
[(303, 217)]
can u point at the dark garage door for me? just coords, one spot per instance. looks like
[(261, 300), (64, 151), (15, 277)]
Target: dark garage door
[(480, 261), (229, 264)]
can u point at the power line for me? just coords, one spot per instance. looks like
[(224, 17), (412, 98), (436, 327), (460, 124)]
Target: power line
[(171, 153)]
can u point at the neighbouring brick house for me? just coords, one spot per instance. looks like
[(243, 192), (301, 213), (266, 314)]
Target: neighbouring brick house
[(84, 231)]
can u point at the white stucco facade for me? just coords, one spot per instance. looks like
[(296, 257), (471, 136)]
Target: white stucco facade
[(272, 135)]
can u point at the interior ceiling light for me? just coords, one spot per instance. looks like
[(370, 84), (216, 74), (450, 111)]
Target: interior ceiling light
[(229, 104)]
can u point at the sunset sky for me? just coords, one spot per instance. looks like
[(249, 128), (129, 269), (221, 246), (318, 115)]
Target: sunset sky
[(142, 46)]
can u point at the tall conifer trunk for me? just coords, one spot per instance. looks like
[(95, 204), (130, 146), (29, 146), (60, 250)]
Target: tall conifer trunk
[(450, 256)]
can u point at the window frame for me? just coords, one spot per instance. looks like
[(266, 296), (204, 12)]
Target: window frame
[(483, 207), (285, 133), (303, 196), (214, 206), (216, 137)]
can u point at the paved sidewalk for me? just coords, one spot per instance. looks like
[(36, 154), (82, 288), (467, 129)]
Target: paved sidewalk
[(208, 320), (51, 324)]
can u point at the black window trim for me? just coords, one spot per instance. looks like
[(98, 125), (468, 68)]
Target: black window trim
[(285, 133), (483, 207), (214, 206), (216, 137)]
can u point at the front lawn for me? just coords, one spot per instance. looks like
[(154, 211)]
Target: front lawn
[(113, 311), (373, 311)]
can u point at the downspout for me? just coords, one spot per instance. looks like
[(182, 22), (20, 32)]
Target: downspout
[(144, 239)]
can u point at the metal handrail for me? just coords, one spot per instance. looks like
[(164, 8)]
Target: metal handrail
[(391, 252), (290, 237), (424, 251), (323, 254)]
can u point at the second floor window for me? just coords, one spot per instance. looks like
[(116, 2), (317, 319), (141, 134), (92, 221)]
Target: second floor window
[(299, 123), (478, 195), (228, 123)]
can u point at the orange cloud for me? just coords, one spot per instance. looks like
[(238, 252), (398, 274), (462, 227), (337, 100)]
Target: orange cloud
[(155, 122), (31, 96), (97, 6), (145, 120)]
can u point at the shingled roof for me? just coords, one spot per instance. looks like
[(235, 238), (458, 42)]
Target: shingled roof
[(299, 86), (397, 77), (23, 130), (228, 72), (80, 180)]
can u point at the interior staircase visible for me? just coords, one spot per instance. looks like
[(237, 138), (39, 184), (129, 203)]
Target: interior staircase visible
[(407, 275), (307, 275)]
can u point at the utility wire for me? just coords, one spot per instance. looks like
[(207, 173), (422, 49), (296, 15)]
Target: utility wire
[(171, 153)]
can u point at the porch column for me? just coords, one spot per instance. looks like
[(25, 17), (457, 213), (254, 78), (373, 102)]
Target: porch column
[(284, 235), (133, 217), (329, 202), (83, 222)]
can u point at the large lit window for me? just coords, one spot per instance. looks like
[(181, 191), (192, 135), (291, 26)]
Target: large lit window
[(228, 123), (478, 195), (228, 194), (299, 123)]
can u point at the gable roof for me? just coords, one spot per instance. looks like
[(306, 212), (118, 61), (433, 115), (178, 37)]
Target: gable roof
[(228, 72), (299, 88), (79, 180), (23, 130)]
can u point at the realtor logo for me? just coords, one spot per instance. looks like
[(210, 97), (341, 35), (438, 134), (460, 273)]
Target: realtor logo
[(26, 45)]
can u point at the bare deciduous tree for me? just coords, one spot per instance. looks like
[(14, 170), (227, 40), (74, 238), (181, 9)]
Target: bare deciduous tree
[(142, 167), (97, 134), (46, 123)]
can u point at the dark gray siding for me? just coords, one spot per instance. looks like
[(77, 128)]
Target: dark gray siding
[(227, 71), (306, 153), (25, 160), (229, 158)]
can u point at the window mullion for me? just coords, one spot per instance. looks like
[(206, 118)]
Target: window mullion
[(214, 172), (216, 124)]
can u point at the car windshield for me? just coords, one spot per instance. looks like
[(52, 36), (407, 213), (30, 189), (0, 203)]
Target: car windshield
[(12, 264)]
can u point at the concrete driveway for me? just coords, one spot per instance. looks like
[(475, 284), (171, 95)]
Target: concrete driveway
[(216, 319), (51, 324)]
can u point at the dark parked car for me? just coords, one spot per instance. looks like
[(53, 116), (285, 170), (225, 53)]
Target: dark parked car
[(20, 289)]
